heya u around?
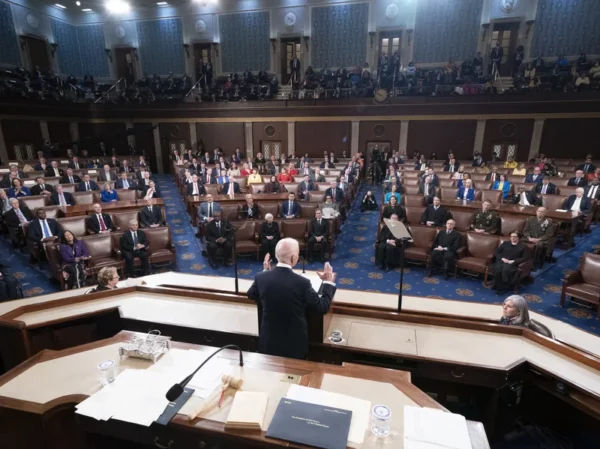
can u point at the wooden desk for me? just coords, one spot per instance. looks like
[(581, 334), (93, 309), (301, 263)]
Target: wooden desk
[(269, 198), (38, 398), (116, 206)]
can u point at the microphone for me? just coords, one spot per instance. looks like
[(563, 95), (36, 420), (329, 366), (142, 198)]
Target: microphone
[(303, 271), (177, 390)]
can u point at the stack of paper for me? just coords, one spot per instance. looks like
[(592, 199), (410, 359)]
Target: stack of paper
[(427, 428), (247, 411)]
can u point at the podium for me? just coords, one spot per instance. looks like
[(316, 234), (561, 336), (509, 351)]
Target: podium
[(399, 232)]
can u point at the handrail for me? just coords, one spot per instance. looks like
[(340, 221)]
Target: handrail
[(194, 86), (111, 88)]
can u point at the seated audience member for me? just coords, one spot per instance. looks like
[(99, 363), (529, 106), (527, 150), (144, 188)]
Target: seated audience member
[(223, 178), (466, 192), (106, 175), (421, 164), (114, 162), (462, 178), (477, 160), (509, 256), (150, 191), (18, 173), (327, 164), (535, 177), (336, 192), (492, 175), (41, 187), (134, 243), (525, 197), (304, 187), (144, 180), (485, 221), (538, 230), (587, 166), (108, 278), (250, 209), (74, 255), (391, 179), (393, 207), (272, 166), (53, 171), (292, 170), (231, 188), (594, 174), (125, 183), (434, 215), (40, 231), (18, 190), (451, 166), (41, 165), (70, 178), (427, 188), (545, 187), (126, 168), (15, 219), (283, 176), (369, 202), (151, 215), (195, 187), (306, 170), (503, 185), (392, 193), (99, 222), (343, 185), (290, 208), (318, 232), (521, 170), (62, 198), (443, 254), (6, 182), (94, 164), (273, 185), (108, 195), (592, 191), (595, 71), (319, 176), (582, 82), (4, 202), (515, 311), (207, 209), (510, 163), (234, 170), (483, 168), (387, 247), (87, 185), (269, 236), (219, 235), (254, 177), (329, 208), (578, 202), (8, 285), (579, 180)]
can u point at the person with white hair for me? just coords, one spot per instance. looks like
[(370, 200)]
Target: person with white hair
[(269, 236), (283, 298), (515, 311), (578, 202), (135, 244)]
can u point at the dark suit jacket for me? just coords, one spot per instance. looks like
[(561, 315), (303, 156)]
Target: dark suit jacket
[(81, 186), (34, 230), (190, 189), (156, 193), (337, 196), (11, 219), (127, 241), (132, 184), (130, 169), (315, 230), (585, 205), (308, 186), (102, 176), (81, 165), (212, 232), (283, 325), (50, 172), (587, 191), (531, 198), (450, 241), (439, 216), (591, 168), (327, 164), (550, 190), (266, 230), (65, 179), (538, 180), (236, 187), (456, 165), (68, 198), (94, 225), (254, 211), (149, 218), (37, 190), (488, 177), (285, 209), (582, 182)]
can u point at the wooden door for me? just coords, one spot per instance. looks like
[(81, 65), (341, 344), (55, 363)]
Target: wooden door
[(506, 33), (271, 147), (504, 150), (21, 150), (390, 44), (124, 63), (290, 48), (379, 145), (37, 53), (202, 55)]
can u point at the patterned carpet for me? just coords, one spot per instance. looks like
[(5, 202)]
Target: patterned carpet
[(354, 263)]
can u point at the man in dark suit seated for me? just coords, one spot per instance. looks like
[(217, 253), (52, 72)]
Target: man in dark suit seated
[(452, 166), (41, 231), (587, 166), (305, 186), (134, 243), (53, 171), (387, 253), (592, 191), (536, 177), (70, 178), (150, 191), (42, 165), (327, 164), (15, 219), (74, 164), (318, 232), (41, 188), (443, 254), (7, 180), (579, 180), (8, 285), (151, 215), (125, 183), (125, 167), (545, 187), (99, 222), (195, 187), (336, 194), (62, 198), (428, 185), (434, 215), (269, 236), (290, 208), (87, 185), (493, 175), (250, 209), (106, 175), (219, 234), (525, 197), (578, 202), (284, 329), (509, 256), (231, 187)]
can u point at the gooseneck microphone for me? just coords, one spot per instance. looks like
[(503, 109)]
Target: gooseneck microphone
[(176, 390)]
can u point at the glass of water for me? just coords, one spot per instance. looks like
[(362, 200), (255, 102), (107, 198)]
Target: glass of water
[(381, 419), (106, 371)]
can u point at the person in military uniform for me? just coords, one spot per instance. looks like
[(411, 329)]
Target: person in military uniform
[(388, 247), (485, 221), (538, 230)]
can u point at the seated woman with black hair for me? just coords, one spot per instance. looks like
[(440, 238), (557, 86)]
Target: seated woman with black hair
[(74, 255)]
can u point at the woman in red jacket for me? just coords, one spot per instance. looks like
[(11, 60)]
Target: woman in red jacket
[(284, 176)]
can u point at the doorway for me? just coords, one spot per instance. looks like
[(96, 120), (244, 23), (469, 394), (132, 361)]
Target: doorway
[(503, 151), (124, 64), (390, 45), (271, 147), (506, 33), (290, 48), (37, 53), (202, 55)]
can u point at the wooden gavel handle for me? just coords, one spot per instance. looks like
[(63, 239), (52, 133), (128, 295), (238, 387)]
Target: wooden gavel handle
[(209, 402)]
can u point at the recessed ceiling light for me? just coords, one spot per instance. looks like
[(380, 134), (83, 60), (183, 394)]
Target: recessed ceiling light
[(86, 10), (78, 3), (162, 3), (58, 5), (117, 6)]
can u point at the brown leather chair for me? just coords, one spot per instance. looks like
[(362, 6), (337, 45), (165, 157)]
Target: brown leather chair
[(414, 182), (331, 178), (584, 284), (411, 189), (83, 198), (102, 252), (414, 200), (55, 262), (53, 211), (494, 196), (69, 188), (257, 188), (566, 190), (242, 181), (413, 214), (291, 187), (447, 183), (524, 269), (121, 219), (483, 184), (559, 181), (127, 195), (477, 254), (307, 210), (230, 212), (462, 219), (74, 224), (448, 193), (161, 248), (420, 248), (478, 178), (315, 197), (34, 202), (322, 186), (295, 229), (268, 208), (213, 189), (246, 239), (553, 202), (509, 223)]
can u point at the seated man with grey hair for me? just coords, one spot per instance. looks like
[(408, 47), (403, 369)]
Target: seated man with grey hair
[(134, 243), (269, 236), (283, 298)]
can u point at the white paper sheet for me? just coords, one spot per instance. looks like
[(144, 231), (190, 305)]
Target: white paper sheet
[(359, 407), (427, 428)]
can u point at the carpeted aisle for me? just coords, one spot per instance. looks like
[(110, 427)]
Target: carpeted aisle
[(354, 262)]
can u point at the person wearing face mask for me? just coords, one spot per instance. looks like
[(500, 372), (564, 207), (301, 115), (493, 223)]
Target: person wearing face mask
[(509, 256)]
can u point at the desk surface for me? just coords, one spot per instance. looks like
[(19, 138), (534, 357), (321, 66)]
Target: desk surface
[(514, 209), (116, 206), (240, 197)]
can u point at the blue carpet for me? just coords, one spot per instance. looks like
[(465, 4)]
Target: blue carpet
[(354, 262)]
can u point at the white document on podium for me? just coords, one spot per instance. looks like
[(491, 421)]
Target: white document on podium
[(359, 407), (427, 428)]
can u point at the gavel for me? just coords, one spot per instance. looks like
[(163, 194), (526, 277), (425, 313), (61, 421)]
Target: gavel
[(227, 381)]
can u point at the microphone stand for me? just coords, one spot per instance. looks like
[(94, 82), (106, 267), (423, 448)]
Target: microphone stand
[(303, 270), (235, 262)]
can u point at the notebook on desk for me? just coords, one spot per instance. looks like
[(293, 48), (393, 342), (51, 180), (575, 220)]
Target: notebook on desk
[(247, 411)]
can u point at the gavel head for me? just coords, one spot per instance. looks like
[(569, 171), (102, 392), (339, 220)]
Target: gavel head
[(234, 382)]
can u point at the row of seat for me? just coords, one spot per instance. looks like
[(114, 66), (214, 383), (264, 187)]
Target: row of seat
[(36, 201)]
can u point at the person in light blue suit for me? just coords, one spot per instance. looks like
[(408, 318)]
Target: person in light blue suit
[(502, 184), (466, 192), (206, 211)]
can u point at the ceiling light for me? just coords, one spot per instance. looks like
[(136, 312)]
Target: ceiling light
[(162, 3), (117, 6), (86, 10), (58, 5), (78, 3)]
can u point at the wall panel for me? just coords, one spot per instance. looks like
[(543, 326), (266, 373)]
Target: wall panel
[(114, 135), (566, 138), (245, 41), (21, 131), (270, 131), (441, 136), (69, 57), (228, 136), (519, 131), (316, 137), (378, 132), (9, 51), (91, 49), (61, 133), (161, 46)]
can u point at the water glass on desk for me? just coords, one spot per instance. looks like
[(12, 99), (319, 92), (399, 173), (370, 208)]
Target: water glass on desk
[(381, 420), (106, 370)]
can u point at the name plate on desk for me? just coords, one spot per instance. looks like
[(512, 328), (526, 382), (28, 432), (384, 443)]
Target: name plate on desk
[(311, 424)]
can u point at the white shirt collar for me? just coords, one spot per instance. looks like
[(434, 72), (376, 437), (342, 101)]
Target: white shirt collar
[(284, 265)]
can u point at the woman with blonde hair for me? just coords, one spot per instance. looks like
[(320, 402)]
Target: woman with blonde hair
[(108, 278), (108, 195)]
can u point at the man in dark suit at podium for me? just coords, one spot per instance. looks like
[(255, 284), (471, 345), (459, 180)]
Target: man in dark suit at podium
[(283, 325)]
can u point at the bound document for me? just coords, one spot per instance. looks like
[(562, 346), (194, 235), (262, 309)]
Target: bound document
[(311, 424), (247, 411)]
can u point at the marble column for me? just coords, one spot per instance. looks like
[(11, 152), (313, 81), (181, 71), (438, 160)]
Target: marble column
[(249, 139), (44, 130), (536, 138), (157, 147), (193, 135), (291, 137), (479, 133), (354, 138), (403, 137)]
